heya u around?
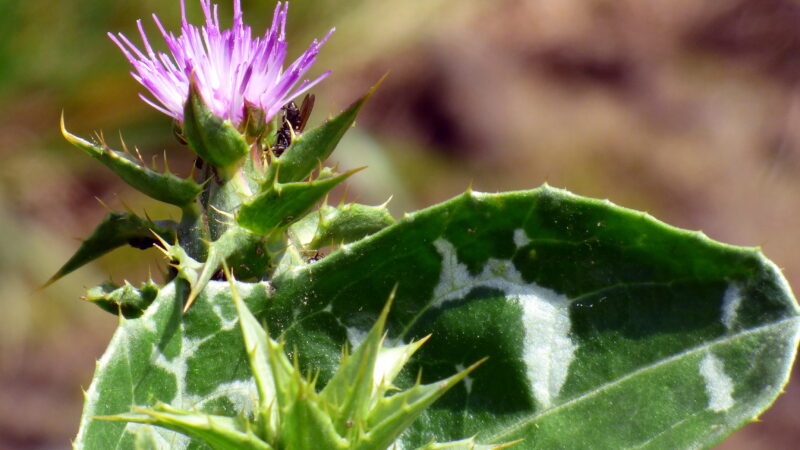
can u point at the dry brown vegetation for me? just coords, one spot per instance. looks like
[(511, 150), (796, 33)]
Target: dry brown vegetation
[(689, 110)]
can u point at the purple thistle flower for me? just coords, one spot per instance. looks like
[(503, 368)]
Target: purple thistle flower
[(230, 68)]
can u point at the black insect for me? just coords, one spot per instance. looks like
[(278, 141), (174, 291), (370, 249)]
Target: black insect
[(294, 120), (316, 257), (142, 243), (219, 275), (177, 131)]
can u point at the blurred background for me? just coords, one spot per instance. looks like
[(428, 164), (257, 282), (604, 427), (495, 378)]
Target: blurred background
[(688, 110)]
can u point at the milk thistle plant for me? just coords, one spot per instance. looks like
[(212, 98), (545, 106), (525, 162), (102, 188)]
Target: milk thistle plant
[(549, 320)]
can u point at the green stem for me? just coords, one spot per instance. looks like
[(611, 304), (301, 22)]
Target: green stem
[(223, 199), (192, 233), (240, 185)]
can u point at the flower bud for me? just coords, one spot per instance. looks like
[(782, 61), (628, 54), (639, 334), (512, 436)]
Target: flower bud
[(214, 139)]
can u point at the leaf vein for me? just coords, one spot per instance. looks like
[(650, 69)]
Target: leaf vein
[(600, 389)]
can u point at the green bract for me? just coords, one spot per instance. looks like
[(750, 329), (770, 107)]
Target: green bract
[(164, 187), (215, 140), (118, 229)]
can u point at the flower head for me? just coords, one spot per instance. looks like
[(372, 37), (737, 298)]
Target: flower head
[(230, 68)]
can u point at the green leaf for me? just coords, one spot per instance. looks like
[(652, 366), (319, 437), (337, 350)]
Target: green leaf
[(146, 439), (164, 187), (352, 384), (255, 340), (388, 365), (394, 414), (194, 361), (306, 426), (465, 444), (116, 230), (220, 432), (342, 224), (309, 150), (303, 424), (579, 305), (126, 299), (601, 325), (242, 250), (214, 139), (277, 208)]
